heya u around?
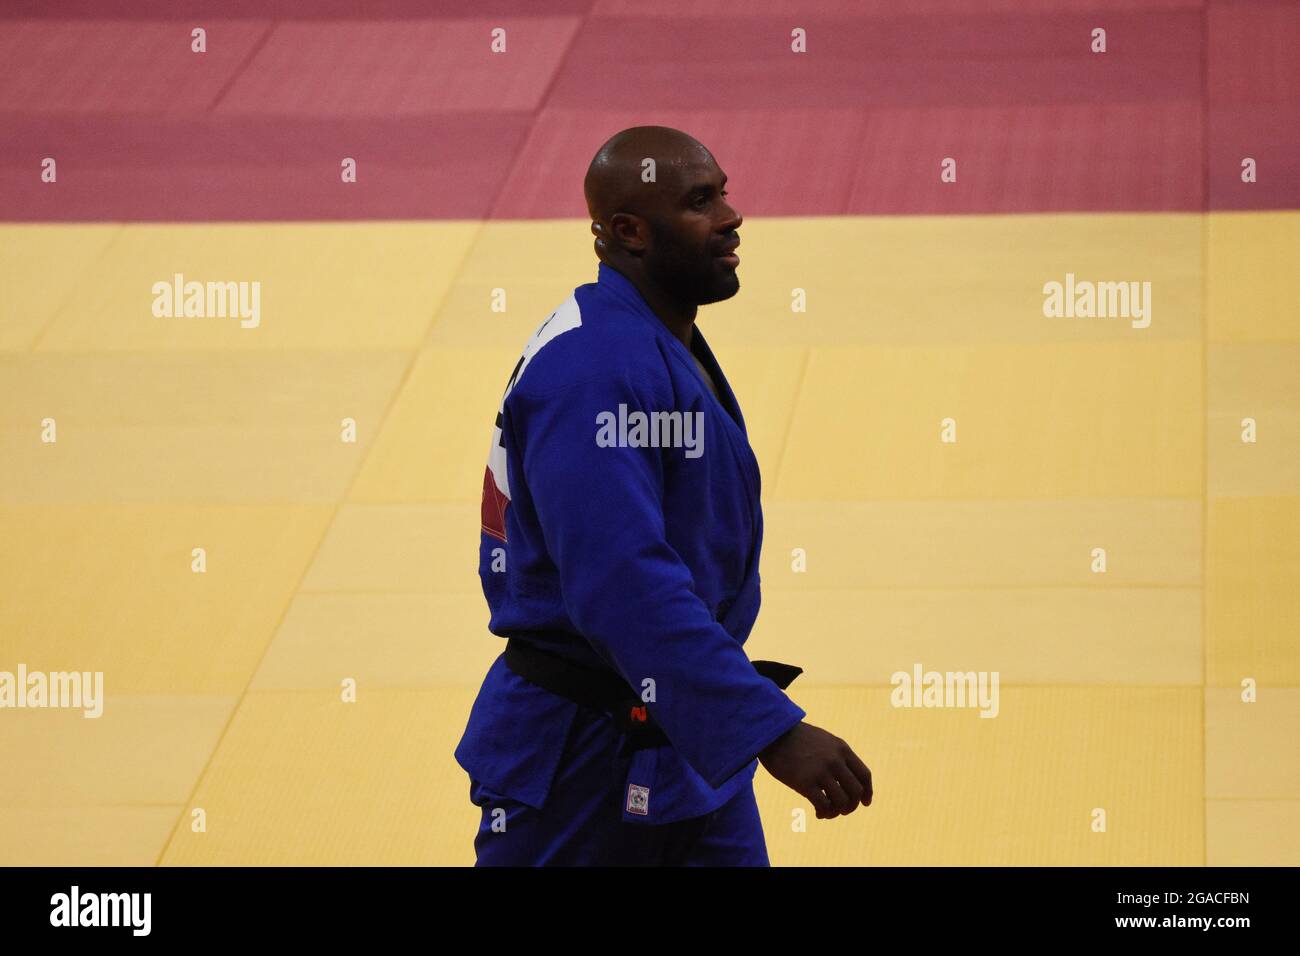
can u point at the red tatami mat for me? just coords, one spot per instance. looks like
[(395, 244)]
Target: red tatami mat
[(794, 12), (397, 68), (938, 60), (106, 66), (449, 165), (255, 129), (1085, 158), (290, 9), (1254, 108)]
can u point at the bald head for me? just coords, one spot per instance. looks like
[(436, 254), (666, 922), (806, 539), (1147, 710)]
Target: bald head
[(616, 177)]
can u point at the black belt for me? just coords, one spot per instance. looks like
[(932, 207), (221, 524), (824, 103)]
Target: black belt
[(605, 690)]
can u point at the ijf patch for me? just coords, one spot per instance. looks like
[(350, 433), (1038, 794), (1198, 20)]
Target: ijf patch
[(638, 799)]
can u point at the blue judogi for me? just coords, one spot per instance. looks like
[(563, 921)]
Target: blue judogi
[(603, 548)]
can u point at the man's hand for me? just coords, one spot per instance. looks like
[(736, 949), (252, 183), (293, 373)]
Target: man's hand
[(820, 766)]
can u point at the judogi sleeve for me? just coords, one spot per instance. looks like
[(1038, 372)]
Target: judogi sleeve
[(627, 591)]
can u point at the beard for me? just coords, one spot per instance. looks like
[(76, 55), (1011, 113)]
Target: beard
[(691, 275)]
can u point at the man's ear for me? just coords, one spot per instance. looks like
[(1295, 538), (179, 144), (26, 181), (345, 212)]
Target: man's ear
[(627, 228)]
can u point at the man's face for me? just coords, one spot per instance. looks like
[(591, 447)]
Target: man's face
[(691, 253)]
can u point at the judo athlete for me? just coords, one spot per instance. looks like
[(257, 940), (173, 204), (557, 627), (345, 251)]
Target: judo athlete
[(624, 723)]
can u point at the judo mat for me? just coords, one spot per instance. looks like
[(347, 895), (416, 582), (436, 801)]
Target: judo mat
[(1121, 736)]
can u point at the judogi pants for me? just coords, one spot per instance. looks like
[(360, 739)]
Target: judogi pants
[(581, 822)]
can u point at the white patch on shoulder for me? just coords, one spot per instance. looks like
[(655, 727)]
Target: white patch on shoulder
[(564, 319)]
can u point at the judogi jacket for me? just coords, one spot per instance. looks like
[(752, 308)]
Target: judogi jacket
[(623, 538)]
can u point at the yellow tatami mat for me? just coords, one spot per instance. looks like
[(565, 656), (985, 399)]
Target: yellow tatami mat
[(237, 523)]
